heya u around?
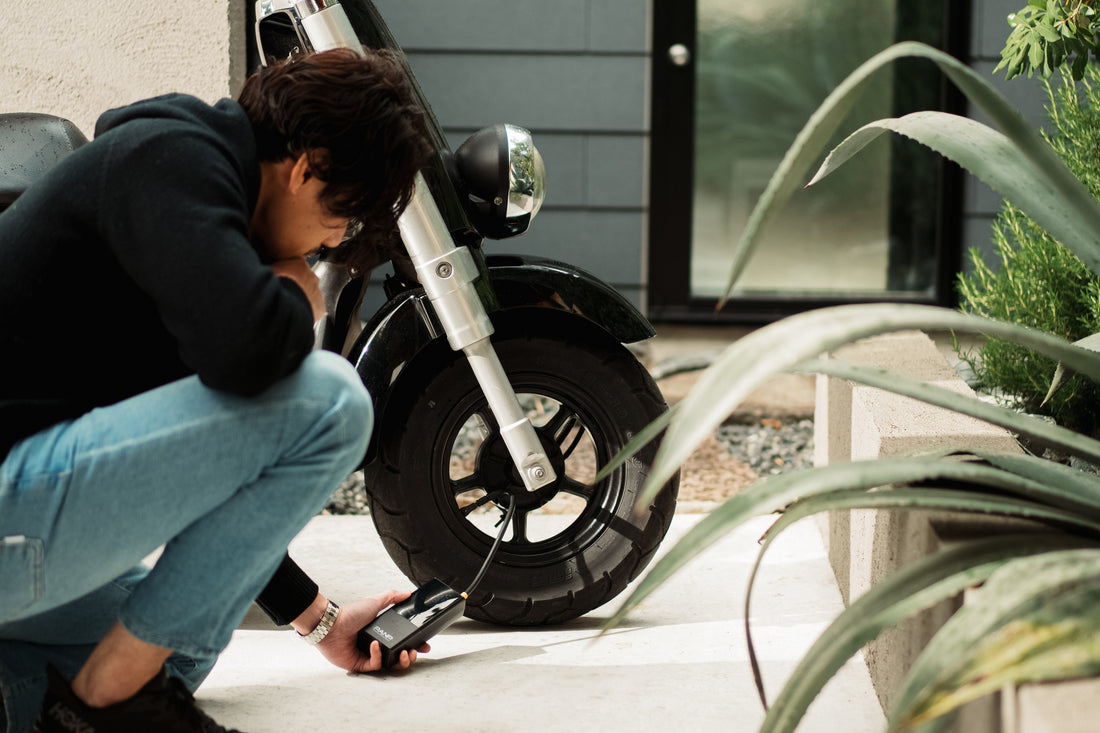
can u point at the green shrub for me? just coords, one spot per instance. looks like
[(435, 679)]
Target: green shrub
[(1039, 283), (1048, 34)]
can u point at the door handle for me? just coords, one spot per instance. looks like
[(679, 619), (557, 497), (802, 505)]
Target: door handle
[(679, 54)]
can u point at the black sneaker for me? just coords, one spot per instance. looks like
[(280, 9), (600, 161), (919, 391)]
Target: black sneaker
[(163, 705)]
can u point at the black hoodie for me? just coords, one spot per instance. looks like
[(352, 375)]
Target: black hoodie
[(129, 266)]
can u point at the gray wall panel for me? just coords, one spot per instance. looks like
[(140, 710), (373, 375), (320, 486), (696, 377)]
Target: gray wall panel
[(990, 28), (605, 93), (616, 170), (603, 242), (500, 25), (619, 25), (566, 169), (519, 25)]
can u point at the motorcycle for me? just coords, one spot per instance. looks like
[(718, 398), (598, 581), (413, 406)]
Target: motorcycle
[(498, 381)]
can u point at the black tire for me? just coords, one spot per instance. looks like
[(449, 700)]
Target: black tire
[(436, 521)]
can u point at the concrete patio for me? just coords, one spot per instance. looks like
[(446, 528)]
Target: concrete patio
[(679, 663)]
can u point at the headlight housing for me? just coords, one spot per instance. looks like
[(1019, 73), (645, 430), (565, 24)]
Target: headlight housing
[(502, 179)]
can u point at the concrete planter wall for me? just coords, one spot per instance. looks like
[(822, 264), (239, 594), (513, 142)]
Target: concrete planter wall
[(853, 422)]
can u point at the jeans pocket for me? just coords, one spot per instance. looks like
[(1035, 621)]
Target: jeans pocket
[(20, 574)]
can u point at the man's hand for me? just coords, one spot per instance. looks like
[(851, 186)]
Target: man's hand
[(339, 646), (297, 269)]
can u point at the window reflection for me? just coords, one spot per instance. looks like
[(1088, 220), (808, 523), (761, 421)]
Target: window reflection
[(762, 70)]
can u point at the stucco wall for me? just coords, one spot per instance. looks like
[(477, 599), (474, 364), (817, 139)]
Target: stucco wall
[(77, 59)]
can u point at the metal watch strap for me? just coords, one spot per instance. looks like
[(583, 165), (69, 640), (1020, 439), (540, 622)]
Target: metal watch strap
[(320, 631)]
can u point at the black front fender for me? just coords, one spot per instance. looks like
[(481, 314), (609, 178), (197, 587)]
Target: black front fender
[(407, 323), (524, 281)]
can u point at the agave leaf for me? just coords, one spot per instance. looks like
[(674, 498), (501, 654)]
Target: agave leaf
[(905, 498), (1068, 440), (826, 119), (936, 725), (1061, 374), (1034, 620), (1009, 121), (780, 346), (918, 585), (1063, 487), (992, 157), (1027, 650), (777, 492)]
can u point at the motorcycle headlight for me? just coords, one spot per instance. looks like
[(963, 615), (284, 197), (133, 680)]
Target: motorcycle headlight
[(502, 179)]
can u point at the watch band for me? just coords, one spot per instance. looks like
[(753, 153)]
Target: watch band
[(328, 619)]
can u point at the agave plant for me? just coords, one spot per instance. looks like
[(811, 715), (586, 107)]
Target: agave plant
[(1035, 617)]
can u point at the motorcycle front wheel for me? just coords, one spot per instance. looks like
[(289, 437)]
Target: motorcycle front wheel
[(443, 478)]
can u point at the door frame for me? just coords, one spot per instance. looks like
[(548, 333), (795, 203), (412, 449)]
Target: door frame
[(671, 182)]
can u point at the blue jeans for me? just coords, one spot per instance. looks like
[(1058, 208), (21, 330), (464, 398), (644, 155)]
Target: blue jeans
[(223, 482)]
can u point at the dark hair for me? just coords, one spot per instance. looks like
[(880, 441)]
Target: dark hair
[(357, 119)]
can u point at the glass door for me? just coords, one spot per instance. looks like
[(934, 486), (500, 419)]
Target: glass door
[(742, 78)]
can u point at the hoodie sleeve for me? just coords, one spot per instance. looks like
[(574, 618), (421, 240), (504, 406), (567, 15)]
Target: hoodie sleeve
[(288, 594), (175, 201)]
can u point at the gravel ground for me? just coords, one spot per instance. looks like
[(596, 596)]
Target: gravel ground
[(771, 446), (350, 498)]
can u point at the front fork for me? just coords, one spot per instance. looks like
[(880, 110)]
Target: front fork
[(447, 274)]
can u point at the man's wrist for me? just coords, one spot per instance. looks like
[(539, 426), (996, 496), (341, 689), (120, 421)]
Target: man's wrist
[(308, 619), (323, 626)]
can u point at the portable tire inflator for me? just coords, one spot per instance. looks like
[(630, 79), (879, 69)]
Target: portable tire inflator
[(431, 609)]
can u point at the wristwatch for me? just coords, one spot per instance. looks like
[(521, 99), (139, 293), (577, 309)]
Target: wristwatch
[(328, 619)]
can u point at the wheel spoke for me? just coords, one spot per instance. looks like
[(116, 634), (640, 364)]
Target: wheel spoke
[(488, 419), (566, 452), (469, 483), (561, 423), (519, 528), (561, 426), (576, 488)]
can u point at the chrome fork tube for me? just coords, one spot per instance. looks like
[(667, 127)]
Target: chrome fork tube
[(447, 274)]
